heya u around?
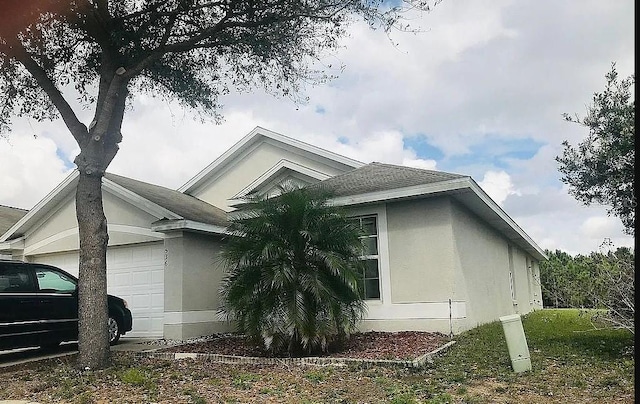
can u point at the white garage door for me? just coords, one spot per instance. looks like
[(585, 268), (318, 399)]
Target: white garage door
[(134, 273)]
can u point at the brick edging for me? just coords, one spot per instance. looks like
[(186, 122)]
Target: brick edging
[(313, 360)]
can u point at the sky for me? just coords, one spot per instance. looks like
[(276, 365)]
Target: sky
[(480, 90)]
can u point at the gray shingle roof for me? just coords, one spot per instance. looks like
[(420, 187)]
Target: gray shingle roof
[(189, 207), (376, 177), (9, 216)]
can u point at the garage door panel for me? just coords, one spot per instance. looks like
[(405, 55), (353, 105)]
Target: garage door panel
[(134, 273)]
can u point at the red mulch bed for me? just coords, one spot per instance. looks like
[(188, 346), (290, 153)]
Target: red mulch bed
[(404, 345)]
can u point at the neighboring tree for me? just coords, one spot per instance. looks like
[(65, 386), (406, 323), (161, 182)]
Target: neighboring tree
[(614, 278), (293, 282), (602, 167), (564, 280), (103, 51), (600, 280)]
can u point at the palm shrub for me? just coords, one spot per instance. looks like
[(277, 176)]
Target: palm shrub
[(293, 268)]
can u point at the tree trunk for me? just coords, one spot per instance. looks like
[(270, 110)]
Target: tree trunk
[(93, 338)]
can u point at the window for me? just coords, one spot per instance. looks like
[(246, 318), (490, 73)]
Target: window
[(370, 283), (53, 281), (15, 279)]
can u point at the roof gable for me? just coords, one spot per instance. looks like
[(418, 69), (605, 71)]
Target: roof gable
[(282, 172), (256, 136), (160, 202)]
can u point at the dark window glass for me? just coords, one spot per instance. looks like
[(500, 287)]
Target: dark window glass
[(15, 279)]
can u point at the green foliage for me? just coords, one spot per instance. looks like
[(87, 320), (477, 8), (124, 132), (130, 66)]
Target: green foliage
[(599, 280), (244, 381), (602, 167), (564, 348), (293, 272), (318, 376), (566, 280), (138, 377), (190, 51)]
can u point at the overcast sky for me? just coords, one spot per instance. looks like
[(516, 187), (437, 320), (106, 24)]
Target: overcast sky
[(480, 92)]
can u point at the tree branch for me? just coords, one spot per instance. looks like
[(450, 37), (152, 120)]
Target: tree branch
[(77, 128)]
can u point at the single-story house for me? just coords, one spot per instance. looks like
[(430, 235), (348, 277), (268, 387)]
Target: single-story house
[(442, 255)]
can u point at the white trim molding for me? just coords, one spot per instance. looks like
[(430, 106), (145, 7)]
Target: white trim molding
[(194, 316), (423, 310), (183, 224)]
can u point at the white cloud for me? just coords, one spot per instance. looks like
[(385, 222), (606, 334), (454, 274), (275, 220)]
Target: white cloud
[(498, 185), (595, 227), (30, 169), (420, 163)]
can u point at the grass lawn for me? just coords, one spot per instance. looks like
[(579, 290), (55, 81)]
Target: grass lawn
[(572, 363)]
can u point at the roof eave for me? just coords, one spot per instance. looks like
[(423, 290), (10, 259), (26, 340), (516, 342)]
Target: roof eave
[(496, 217), (165, 226), (38, 211)]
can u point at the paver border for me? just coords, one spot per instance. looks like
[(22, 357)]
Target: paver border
[(312, 360)]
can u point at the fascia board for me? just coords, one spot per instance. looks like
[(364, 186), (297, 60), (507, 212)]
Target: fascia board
[(505, 218), (138, 201), (219, 162), (41, 208), (244, 143), (400, 193), (312, 149), (182, 225)]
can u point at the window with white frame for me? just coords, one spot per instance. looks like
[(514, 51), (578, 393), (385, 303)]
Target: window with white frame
[(370, 283)]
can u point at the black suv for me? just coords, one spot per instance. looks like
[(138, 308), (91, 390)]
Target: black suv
[(39, 307)]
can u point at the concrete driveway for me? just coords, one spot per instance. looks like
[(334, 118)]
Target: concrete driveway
[(26, 355)]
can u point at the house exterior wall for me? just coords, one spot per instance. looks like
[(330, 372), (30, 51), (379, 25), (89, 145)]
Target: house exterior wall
[(482, 267), (193, 273), (421, 250), (59, 232), (416, 264), (251, 165), (61, 223)]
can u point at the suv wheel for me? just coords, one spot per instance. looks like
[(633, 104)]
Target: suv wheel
[(114, 330)]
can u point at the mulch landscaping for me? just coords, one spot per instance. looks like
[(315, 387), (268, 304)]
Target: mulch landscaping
[(404, 345)]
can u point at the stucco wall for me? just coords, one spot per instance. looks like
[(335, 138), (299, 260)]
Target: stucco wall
[(250, 166), (420, 250), (482, 270), (416, 247), (192, 278), (61, 218), (127, 224)]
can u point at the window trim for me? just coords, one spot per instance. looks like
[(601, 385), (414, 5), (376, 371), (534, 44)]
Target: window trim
[(384, 277)]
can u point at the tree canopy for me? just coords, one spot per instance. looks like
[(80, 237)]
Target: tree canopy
[(601, 169), (194, 51), (600, 280)]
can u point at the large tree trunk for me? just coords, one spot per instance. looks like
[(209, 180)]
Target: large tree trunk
[(93, 340)]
